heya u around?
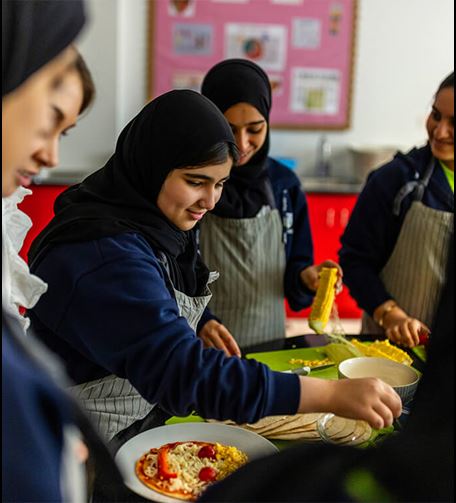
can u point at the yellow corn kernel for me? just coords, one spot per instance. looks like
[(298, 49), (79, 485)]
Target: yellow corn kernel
[(383, 349), (309, 363), (324, 299), (393, 352)]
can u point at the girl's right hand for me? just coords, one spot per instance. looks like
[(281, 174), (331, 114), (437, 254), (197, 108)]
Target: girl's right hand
[(404, 330), (399, 327), (369, 399), (310, 276)]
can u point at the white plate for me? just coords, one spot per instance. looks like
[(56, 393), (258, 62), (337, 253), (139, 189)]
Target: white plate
[(252, 444)]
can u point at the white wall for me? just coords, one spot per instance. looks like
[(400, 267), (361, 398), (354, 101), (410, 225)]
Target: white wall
[(404, 48), (114, 45), (88, 145)]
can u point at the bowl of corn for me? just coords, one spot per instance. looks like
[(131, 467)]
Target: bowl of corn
[(403, 378)]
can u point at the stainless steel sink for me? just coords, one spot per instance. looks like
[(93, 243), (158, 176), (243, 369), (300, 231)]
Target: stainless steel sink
[(330, 184)]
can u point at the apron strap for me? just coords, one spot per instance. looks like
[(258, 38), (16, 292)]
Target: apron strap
[(287, 217), (270, 194), (163, 261), (416, 186)]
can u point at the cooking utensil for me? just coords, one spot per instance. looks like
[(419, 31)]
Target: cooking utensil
[(304, 371)]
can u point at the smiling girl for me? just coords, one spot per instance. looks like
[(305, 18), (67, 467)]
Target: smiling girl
[(259, 235), (394, 249)]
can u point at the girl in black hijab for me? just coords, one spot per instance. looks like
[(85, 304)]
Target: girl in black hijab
[(167, 171), (127, 287), (262, 218)]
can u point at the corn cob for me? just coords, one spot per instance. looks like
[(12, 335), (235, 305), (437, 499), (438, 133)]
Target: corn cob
[(338, 352), (383, 349), (324, 299)]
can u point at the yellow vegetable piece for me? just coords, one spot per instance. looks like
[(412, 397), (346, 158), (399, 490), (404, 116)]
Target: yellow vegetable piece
[(324, 299), (383, 349)]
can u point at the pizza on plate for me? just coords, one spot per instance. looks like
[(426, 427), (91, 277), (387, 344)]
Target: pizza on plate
[(183, 470)]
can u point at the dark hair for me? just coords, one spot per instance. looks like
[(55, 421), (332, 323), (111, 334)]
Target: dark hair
[(88, 86), (217, 154), (447, 82)]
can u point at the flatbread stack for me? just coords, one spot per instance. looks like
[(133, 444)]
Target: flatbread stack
[(343, 431), (296, 427)]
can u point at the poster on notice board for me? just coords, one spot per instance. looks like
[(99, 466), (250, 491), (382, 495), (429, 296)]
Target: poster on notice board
[(305, 46)]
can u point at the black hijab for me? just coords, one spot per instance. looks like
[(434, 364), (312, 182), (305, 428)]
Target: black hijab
[(241, 81), (172, 131), (33, 33)]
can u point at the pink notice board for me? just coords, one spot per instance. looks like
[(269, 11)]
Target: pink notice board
[(305, 46)]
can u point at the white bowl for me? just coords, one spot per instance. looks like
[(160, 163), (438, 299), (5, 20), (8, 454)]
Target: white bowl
[(402, 378)]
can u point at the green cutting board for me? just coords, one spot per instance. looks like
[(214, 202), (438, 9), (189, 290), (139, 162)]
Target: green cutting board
[(279, 360)]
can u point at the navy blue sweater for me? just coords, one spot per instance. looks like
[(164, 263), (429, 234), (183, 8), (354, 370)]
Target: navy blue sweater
[(373, 229), (34, 413), (108, 311)]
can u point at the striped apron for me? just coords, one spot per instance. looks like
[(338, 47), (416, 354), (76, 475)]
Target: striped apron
[(112, 402), (415, 273), (250, 255)]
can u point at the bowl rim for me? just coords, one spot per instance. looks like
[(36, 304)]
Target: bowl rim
[(389, 362)]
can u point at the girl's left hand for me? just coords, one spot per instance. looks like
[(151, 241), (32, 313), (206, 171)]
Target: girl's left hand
[(310, 276)]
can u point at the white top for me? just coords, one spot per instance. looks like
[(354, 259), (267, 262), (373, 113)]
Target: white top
[(19, 286)]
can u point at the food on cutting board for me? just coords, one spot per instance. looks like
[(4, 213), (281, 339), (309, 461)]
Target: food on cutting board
[(383, 349), (310, 363), (183, 470), (339, 352)]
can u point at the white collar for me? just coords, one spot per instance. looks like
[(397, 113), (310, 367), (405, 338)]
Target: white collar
[(19, 286)]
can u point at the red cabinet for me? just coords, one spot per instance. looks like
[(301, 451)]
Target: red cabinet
[(40, 208), (329, 215)]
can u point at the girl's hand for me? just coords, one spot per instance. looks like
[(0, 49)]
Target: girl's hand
[(402, 329), (215, 335), (310, 276), (399, 327), (369, 399)]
